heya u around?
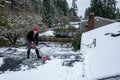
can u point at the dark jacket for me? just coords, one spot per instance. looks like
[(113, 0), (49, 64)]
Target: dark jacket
[(30, 37)]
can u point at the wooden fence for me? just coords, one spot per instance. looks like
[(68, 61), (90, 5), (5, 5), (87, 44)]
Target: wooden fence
[(55, 39)]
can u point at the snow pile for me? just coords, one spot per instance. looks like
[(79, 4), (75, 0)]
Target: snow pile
[(1, 61), (103, 60), (47, 33), (75, 24), (50, 71)]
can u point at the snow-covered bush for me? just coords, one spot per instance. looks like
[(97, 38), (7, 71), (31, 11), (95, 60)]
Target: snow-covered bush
[(63, 31), (13, 27), (4, 3)]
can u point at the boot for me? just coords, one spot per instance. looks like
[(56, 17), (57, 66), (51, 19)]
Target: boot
[(38, 56), (28, 54)]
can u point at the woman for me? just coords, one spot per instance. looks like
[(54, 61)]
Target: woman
[(32, 38)]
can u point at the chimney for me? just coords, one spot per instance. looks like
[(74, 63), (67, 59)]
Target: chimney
[(90, 22)]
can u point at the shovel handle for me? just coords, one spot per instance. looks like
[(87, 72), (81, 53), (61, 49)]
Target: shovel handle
[(35, 46)]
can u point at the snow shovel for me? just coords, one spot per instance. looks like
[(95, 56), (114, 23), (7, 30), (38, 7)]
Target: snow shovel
[(44, 58)]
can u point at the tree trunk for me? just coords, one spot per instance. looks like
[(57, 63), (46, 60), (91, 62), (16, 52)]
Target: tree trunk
[(25, 8), (12, 38)]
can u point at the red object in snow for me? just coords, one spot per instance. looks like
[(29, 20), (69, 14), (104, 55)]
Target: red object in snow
[(46, 58)]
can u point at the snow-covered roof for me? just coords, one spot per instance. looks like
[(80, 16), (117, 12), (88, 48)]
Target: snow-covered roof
[(104, 19), (74, 23), (97, 17), (84, 20), (47, 33), (101, 61)]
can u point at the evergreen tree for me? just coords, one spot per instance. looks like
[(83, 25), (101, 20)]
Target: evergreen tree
[(96, 7), (47, 11), (65, 7), (74, 7), (103, 8), (62, 7), (109, 7), (87, 12), (118, 13), (37, 4)]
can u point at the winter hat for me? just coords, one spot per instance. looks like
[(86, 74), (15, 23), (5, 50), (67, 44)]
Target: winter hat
[(36, 28)]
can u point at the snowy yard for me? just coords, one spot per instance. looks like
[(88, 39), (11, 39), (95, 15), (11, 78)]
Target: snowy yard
[(59, 68), (100, 61)]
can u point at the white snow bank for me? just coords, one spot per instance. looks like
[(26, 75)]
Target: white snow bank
[(47, 33), (103, 60), (75, 24), (1, 61), (2, 49), (50, 71)]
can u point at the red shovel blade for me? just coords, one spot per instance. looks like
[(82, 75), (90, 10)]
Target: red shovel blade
[(46, 58)]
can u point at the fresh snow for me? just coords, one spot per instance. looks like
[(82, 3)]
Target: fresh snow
[(1, 61), (2, 49), (47, 33), (52, 70), (75, 24), (103, 60)]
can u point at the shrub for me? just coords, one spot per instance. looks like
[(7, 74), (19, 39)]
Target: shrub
[(4, 42), (76, 41)]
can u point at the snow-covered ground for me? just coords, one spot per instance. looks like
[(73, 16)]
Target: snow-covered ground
[(47, 33), (102, 61), (52, 70), (1, 61)]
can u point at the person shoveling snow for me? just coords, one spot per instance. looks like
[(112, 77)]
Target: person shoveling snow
[(32, 39)]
